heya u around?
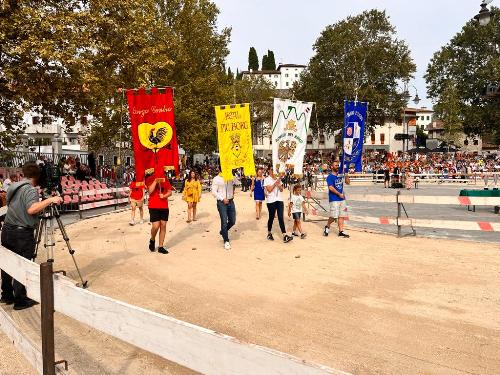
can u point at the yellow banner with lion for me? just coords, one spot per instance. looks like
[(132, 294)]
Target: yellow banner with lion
[(234, 132)]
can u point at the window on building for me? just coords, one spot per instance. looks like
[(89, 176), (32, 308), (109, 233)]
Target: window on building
[(100, 159), (309, 139), (115, 160), (373, 138), (287, 84), (296, 75), (322, 139), (275, 76), (422, 127), (476, 142), (275, 83), (36, 120), (422, 118), (46, 120), (382, 138), (286, 75), (466, 142), (428, 118), (83, 120), (128, 161), (39, 142)]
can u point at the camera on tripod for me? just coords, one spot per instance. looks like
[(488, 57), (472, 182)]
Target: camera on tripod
[(50, 178)]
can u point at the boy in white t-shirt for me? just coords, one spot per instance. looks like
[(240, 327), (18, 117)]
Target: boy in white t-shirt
[(296, 207)]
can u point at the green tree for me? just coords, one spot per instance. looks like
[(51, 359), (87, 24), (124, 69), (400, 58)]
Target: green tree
[(239, 75), (259, 92), (270, 60), (253, 59), (265, 65), (43, 45), (358, 56), (421, 137), (471, 61), (230, 74), (71, 57), (449, 111)]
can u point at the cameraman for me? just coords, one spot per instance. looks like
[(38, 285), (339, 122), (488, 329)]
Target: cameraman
[(18, 230)]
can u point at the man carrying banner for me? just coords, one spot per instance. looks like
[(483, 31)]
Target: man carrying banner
[(336, 198), (159, 191), (223, 191)]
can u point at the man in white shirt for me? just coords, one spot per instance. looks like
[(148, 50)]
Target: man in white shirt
[(223, 191)]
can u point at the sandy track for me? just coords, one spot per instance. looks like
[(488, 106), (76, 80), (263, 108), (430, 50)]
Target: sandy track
[(371, 304)]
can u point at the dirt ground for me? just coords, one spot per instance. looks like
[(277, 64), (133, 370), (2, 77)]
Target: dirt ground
[(371, 304)]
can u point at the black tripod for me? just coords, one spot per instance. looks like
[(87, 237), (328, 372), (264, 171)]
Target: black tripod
[(46, 229)]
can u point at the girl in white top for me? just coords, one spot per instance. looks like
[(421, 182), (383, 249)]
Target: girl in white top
[(273, 188)]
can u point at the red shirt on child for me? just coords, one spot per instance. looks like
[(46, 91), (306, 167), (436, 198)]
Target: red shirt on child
[(136, 192), (154, 198)]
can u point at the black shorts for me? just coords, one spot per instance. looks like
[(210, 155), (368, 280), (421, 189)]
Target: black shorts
[(296, 215), (157, 214)]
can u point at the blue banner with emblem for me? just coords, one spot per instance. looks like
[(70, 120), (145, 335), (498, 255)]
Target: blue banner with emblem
[(353, 135)]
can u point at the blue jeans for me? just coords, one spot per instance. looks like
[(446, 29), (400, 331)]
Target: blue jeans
[(227, 213)]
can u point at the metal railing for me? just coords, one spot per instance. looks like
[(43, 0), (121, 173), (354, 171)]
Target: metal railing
[(16, 159)]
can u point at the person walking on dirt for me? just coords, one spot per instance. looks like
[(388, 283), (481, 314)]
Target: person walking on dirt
[(336, 197)]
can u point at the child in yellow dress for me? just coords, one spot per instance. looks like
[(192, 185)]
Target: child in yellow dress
[(192, 195)]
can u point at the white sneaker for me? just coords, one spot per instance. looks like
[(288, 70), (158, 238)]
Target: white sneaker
[(227, 245), (142, 221), (132, 222)]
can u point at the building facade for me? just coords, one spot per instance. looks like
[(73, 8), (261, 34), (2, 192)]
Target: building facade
[(462, 142), (48, 134), (282, 78), (390, 137)]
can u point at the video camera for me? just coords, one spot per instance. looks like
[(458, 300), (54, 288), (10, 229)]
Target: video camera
[(50, 178)]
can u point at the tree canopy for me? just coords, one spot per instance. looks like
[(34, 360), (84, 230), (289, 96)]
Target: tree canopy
[(268, 62), (72, 57), (361, 56), (468, 64), (253, 59)]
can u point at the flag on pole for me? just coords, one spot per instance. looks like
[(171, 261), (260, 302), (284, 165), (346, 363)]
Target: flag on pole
[(234, 133), (154, 136), (291, 120), (353, 135)]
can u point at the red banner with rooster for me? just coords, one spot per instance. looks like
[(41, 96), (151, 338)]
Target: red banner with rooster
[(153, 132)]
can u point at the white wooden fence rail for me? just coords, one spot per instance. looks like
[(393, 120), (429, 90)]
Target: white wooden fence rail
[(197, 348)]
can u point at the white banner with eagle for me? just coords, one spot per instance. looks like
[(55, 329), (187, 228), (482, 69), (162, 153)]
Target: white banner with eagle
[(291, 120)]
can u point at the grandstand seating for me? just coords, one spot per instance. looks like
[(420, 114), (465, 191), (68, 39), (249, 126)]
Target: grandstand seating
[(71, 188)]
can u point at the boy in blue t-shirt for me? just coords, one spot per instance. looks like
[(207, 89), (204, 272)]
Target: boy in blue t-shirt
[(336, 197)]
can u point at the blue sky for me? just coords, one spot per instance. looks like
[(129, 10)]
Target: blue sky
[(290, 27)]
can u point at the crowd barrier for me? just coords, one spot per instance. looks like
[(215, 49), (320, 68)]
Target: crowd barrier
[(186, 344), (313, 200)]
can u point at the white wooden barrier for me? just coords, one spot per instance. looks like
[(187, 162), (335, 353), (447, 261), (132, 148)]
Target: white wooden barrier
[(423, 199), (416, 199), (24, 344), (485, 226), (197, 348)]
